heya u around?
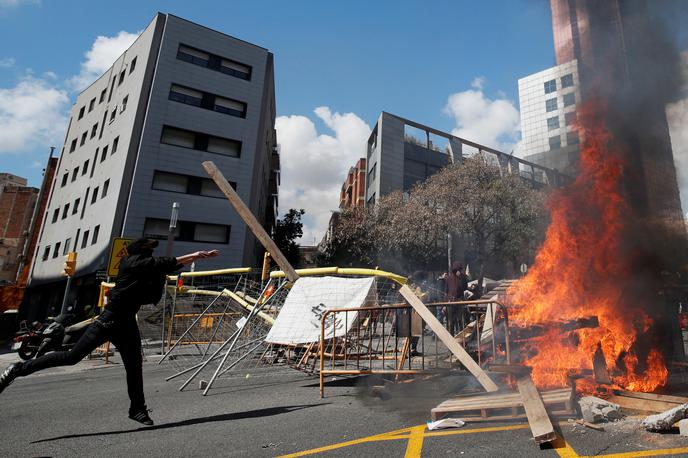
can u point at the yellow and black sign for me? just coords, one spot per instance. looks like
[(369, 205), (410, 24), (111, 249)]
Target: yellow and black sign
[(118, 250)]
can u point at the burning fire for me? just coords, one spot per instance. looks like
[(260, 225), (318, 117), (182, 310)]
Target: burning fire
[(583, 270)]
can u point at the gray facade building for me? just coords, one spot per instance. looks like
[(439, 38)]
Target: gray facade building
[(548, 101), (401, 153), (180, 95)]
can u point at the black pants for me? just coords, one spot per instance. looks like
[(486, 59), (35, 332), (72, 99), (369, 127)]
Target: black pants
[(123, 333)]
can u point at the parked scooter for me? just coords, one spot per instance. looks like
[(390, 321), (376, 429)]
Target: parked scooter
[(55, 335)]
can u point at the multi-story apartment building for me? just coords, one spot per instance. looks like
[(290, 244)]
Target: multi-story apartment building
[(180, 95), (353, 188), (548, 101), (401, 153), (10, 179)]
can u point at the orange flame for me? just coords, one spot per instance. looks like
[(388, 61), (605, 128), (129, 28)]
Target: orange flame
[(582, 270)]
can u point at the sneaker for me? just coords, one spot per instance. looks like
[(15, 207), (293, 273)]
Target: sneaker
[(8, 376), (142, 417)]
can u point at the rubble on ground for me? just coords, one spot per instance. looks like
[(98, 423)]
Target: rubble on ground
[(596, 410)]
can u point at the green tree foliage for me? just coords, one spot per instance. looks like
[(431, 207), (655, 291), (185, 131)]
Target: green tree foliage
[(287, 230)]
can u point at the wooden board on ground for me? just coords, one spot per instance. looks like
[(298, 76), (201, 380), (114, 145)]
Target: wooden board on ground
[(540, 424), (447, 339), (599, 367), (502, 405), (646, 402)]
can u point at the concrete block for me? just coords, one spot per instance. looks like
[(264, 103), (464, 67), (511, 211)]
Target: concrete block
[(595, 410), (683, 427)]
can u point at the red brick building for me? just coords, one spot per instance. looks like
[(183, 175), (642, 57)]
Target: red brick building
[(16, 208), (353, 189)]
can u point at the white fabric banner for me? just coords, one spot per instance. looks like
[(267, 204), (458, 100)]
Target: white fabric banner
[(300, 318)]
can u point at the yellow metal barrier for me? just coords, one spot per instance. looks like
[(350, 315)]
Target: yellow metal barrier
[(343, 271)]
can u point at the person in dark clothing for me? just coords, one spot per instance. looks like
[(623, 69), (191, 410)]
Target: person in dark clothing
[(456, 284), (140, 281)]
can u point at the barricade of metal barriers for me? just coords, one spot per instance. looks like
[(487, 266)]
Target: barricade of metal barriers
[(393, 341)]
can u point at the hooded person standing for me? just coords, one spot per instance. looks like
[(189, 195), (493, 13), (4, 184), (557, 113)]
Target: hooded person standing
[(455, 284), (140, 281)]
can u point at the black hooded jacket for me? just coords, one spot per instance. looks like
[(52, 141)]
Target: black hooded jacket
[(140, 281)]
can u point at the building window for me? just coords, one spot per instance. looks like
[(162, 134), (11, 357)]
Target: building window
[(551, 105), (371, 174), (76, 239), (230, 107), (56, 251), (567, 80), (81, 112), (115, 142), (94, 197), (186, 95), (113, 114), (572, 138), (569, 99), (75, 172), (112, 88), (65, 250), (56, 214), (106, 186), (91, 104), (550, 86), (65, 211), (187, 184), (121, 77), (96, 230), (371, 200), (103, 155), (95, 159), (84, 169), (555, 142), (132, 66), (72, 147), (125, 100), (214, 62), (207, 100), (570, 118), (83, 138), (84, 241), (65, 177), (94, 130), (201, 142), (553, 123), (102, 96), (187, 231), (46, 253), (75, 210)]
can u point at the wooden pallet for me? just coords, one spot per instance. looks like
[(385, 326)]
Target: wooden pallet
[(502, 405)]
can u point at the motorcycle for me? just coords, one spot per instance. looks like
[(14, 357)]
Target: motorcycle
[(28, 339), (56, 335)]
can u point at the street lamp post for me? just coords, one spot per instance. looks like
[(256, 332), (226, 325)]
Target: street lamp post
[(172, 228)]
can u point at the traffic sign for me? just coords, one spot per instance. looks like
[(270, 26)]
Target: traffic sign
[(118, 250)]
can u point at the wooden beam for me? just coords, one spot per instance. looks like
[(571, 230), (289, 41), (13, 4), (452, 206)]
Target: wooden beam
[(599, 367), (646, 402), (448, 339), (540, 424), (250, 220)]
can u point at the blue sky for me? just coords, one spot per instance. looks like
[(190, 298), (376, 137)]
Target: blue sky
[(352, 59)]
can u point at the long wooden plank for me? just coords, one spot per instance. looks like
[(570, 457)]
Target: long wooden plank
[(540, 424), (448, 339), (250, 220), (652, 396), (509, 400), (644, 405)]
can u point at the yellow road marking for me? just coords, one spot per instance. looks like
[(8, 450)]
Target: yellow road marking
[(416, 435), (415, 442)]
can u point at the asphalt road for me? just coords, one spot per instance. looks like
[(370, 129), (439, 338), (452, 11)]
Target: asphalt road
[(84, 413)]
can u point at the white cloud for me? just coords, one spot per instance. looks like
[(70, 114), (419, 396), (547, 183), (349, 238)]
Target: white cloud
[(103, 52), (7, 62), (491, 122), (32, 115), (314, 164)]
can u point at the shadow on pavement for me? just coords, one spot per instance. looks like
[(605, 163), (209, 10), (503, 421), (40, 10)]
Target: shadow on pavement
[(258, 413)]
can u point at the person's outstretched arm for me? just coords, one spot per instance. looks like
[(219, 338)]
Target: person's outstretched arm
[(191, 257)]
